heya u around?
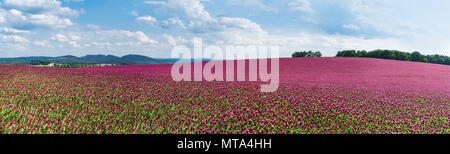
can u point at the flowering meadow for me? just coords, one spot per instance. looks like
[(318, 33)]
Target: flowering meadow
[(316, 96)]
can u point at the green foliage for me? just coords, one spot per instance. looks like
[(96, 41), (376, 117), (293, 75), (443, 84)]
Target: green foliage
[(307, 54), (396, 55), (73, 65), (39, 62), (72, 61), (26, 62)]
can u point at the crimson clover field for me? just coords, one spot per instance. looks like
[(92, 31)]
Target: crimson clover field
[(316, 96)]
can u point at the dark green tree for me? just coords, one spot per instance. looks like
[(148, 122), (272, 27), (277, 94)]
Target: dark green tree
[(307, 54), (317, 54), (396, 55), (416, 56)]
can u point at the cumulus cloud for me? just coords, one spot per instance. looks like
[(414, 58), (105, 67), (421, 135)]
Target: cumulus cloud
[(9, 30), (71, 39), (32, 13), (47, 26), (231, 30), (82, 42), (45, 6), (148, 19), (173, 41), (140, 36), (214, 29), (60, 37), (49, 20), (329, 44), (169, 23), (43, 43), (118, 36), (32, 4), (173, 22), (15, 38)]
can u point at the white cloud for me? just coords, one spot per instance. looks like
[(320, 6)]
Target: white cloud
[(220, 29), (15, 38), (173, 21), (10, 30), (114, 36), (140, 36), (330, 44), (148, 19), (31, 13), (2, 19), (13, 15), (106, 45), (43, 43), (193, 9), (175, 40), (170, 39), (241, 24), (60, 37), (49, 20), (75, 37), (66, 12), (155, 2), (74, 44), (350, 26), (301, 5), (69, 38), (338, 25), (91, 41), (16, 12), (32, 4)]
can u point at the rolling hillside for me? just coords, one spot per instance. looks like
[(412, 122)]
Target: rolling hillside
[(315, 96), (88, 59)]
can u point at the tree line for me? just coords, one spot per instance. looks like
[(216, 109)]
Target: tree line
[(73, 65), (34, 62), (396, 55), (81, 65), (307, 54), (383, 54)]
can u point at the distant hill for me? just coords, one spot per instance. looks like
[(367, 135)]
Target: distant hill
[(90, 60), (106, 59), (138, 59)]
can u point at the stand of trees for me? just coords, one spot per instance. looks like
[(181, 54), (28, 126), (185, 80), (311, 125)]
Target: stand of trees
[(307, 54), (34, 62), (39, 62), (73, 65), (396, 55)]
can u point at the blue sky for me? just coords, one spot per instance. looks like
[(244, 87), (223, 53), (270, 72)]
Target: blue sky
[(154, 27)]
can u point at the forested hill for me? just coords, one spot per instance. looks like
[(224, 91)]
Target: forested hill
[(397, 55), (89, 59)]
